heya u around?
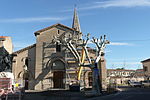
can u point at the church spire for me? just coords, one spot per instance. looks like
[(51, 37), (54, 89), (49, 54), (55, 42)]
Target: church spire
[(76, 23)]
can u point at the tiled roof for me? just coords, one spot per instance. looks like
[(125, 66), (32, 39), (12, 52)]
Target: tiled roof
[(140, 70), (26, 48), (3, 36), (47, 28)]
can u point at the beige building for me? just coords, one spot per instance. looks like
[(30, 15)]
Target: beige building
[(146, 68), (122, 76), (49, 64), (119, 76), (6, 43), (138, 75)]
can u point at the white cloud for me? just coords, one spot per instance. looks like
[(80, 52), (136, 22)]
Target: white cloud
[(120, 44), (127, 63), (114, 43), (124, 59), (117, 3), (32, 19)]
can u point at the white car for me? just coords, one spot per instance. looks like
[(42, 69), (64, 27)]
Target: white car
[(135, 84), (146, 83)]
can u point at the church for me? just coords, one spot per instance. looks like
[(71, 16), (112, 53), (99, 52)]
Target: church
[(49, 64)]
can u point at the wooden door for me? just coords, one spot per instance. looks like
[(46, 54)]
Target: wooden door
[(58, 79)]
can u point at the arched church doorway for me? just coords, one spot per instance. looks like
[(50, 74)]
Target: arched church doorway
[(26, 80), (59, 73), (23, 79)]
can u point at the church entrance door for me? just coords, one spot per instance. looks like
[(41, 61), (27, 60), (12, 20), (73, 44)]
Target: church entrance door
[(59, 73), (26, 84), (26, 80), (58, 79)]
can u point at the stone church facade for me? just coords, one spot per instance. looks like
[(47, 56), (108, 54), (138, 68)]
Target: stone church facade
[(48, 64)]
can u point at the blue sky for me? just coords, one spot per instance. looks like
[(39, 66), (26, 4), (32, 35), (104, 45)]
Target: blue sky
[(125, 22)]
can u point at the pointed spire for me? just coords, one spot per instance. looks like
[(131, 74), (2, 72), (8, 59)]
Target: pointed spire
[(76, 23)]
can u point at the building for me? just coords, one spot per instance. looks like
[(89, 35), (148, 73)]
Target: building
[(120, 72), (49, 64), (138, 75), (146, 68), (6, 43), (119, 76), (122, 76)]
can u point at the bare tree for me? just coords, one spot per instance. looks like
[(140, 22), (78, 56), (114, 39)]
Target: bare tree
[(100, 44)]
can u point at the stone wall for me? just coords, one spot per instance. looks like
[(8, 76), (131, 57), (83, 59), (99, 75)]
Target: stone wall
[(46, 54), (19, 69)]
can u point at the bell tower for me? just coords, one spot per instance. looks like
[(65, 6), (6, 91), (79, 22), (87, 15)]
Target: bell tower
[(76, 23)]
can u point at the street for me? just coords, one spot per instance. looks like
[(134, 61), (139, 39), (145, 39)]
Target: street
[(127, 93)]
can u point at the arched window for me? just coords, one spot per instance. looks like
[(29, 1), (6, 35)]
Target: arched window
[(58, 47), (26, 62)]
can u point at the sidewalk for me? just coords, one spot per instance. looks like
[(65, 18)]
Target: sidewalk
[(58, 95)]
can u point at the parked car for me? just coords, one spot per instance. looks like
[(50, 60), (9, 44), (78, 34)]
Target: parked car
[(135, 84), (146, 83)]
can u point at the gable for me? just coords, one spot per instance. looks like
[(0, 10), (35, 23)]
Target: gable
[(47, 35), (63, 27)]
